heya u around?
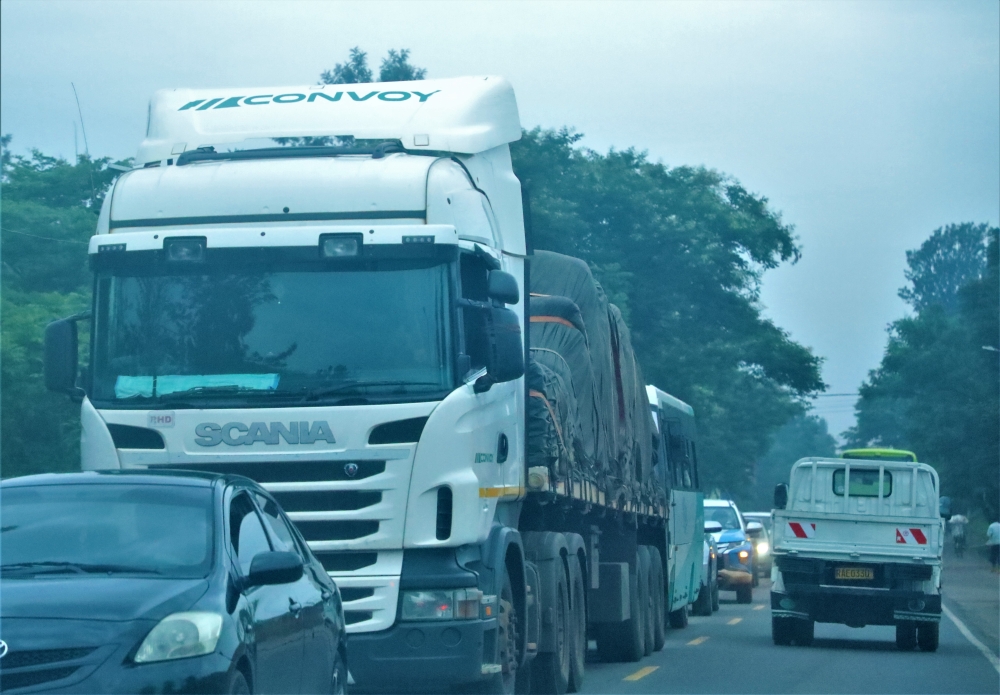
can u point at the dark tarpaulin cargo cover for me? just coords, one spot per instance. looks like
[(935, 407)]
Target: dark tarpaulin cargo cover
[(588, 397)]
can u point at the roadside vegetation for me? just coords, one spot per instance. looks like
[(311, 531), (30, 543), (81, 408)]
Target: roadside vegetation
[(937, 390)]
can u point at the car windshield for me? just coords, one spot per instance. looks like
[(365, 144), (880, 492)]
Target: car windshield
[(279, 332), (154, 530), (724, 515)]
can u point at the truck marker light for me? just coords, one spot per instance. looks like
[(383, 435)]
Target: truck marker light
[(185, 249), (339, 245)]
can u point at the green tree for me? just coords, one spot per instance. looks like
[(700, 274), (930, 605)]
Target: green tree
[(355, 70), (683, 249), (49, 213), (396, 67), (952, 257), (805, 435), (937, 391)]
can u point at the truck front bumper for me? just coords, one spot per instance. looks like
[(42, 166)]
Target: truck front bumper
[(421, 656), (855, 606)]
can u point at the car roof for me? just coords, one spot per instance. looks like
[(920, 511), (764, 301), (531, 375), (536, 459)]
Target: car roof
[(130, 477), (761, 514), (719, 503)]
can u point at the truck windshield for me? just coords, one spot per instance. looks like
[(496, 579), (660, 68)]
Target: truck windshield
[(273, 334)]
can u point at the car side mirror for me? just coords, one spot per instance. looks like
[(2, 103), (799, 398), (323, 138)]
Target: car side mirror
[(60, 360), (944, 507), (754, 529), (274, 567), (502, 287), (713, 527), (505, 356), (780, 496)]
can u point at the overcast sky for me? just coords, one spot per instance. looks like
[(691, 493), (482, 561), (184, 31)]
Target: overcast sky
[(868, 125)]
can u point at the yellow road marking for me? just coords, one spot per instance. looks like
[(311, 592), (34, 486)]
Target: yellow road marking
[(759, 607), (734, 621), (641, 673), (698, 640)]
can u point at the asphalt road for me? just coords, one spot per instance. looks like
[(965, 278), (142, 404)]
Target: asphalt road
[(732, 652)]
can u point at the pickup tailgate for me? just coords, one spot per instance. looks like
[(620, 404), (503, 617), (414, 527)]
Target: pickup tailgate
[(848, 536)]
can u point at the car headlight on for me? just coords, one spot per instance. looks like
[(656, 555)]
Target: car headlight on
[(744, 554), (763, 548), (462, 604), (181, 635)]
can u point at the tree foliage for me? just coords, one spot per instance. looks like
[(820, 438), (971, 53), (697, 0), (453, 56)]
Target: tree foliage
[(953, 256), (395, 67), (804, 435), (49, 213), (682, 251), (937, 390)]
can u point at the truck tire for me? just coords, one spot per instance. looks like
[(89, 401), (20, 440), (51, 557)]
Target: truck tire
[(660, 597), (507, 635), (906, 635), (703, 605), (928, 636), (804, 632), (648, 600), (550, 670), (781, 631), (578, 647), (679, 618), (715, 595), (744, 593), (623, 642)]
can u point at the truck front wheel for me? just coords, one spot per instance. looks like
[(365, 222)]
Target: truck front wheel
[(906, 635), (928, 635)]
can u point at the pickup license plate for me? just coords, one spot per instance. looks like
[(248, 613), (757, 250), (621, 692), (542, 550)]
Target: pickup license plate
[(856, 573)]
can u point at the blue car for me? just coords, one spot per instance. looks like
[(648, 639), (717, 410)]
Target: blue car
[(172, 582), (735, 551)]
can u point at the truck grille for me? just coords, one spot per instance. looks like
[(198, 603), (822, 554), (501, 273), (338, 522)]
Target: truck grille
[(351, 512)]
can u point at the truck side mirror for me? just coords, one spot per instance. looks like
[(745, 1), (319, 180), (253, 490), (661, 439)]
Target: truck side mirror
[(944, 507), (505, 356), (502, 287), (780, 496), (60, 356)]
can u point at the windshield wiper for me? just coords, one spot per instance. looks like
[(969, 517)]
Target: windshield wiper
[(210, 390), (319, 392), (50, 567)]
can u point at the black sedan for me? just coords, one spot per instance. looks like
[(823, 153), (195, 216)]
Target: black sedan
[(174, 582)]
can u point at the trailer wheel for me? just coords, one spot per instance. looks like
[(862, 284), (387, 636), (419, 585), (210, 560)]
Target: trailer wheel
[(906, 635), (928, 636), (578, 647), (744, 593), (623, 641), (659, 598), (781, 631), (550, 670), (648, 600)]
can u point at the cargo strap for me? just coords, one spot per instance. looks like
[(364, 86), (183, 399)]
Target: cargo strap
[(555, 420), (553, 319)]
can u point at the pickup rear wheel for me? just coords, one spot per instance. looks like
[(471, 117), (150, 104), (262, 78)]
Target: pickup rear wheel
[(928, 636), (804, 632), (744, 593), (906, 636), (781, 631)]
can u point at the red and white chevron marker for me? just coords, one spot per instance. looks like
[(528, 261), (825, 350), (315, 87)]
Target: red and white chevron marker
[(802, 530), (911, 536)]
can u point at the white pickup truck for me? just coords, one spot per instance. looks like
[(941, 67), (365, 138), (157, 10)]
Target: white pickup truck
[(857, 542)]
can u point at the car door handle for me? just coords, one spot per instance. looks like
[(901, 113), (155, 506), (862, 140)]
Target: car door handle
[(294, 607)]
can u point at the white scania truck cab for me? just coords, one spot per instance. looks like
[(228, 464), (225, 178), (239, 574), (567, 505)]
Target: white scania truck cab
[(339, 316)]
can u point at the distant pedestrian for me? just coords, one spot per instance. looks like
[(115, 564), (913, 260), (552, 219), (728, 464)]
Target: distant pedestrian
[(957, 524), (993, 543)]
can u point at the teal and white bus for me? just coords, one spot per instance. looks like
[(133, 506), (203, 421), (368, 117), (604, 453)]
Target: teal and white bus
[(677, 467)]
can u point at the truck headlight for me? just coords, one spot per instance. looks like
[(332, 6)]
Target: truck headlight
[(181, 635), (462, 604)]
